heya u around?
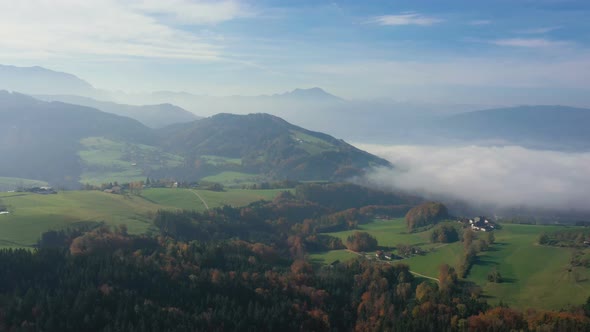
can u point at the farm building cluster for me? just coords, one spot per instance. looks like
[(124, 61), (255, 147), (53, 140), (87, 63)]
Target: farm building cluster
[(481, 223)]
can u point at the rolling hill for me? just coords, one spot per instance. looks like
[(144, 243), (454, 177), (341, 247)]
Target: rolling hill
[(40, 140), (266, 144), (67, 145)]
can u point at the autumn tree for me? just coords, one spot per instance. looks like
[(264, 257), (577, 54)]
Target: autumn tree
[(426, 214), (361, 241), (444, 234)]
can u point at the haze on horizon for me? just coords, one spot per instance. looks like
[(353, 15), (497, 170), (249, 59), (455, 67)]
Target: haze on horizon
[(496, 52)]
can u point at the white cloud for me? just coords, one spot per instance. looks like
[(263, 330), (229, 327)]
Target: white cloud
[(109, 28), (505, 176), (193, 12), (480, 22), (405, 19), (530, 42), (535, 31)]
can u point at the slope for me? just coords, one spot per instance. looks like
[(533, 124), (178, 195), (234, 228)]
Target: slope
[(266, 144), (40, 140)]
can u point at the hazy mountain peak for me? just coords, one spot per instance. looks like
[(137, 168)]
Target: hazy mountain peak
[(39, 80), (315, 93)]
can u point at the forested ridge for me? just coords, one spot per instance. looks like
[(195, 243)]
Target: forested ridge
[(244, 269)]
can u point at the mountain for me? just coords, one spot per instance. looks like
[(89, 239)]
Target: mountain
[(313, 94), (543, 127), (154, 116), (38, 80), (66, 144), (266, 144), (41, 140)]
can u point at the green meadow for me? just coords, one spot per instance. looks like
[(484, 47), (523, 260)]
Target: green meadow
[(106, 161), (534, 276), (229, 178), (188, 200), (7, 184), (32, 214)]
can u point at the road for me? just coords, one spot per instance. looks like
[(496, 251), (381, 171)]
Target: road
[(201, 198)]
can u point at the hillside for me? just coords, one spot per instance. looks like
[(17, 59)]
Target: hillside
[(547, 127), (40, 140), (67, 145), (154, 116), (266, 144)]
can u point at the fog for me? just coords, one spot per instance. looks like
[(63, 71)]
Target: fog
[(504, 177)]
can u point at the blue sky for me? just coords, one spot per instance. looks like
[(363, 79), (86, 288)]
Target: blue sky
[(458, 51)]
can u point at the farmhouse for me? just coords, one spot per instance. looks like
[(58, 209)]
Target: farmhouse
[(42, 190), (481, 223), (113, 190)]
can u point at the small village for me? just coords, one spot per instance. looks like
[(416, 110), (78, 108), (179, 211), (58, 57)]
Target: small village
[(481, 224)]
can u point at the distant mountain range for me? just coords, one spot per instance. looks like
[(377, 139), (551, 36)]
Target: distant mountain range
[(374, 121), (39, 80), (154, 116), (542, 127), (63, 143)]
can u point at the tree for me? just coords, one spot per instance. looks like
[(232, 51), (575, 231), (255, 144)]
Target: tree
[(544, 238), (468, 236), (426, 214), (444, 234), (494, 276), (490, 238), (361, 241)]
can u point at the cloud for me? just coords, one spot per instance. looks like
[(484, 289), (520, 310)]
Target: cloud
[(109, 28), (193, 12), (405, 19), (505, 176), (480, 22), (530, 42), (535, 31)]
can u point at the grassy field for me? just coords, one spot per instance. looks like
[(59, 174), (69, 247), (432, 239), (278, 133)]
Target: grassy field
[(332, 256), (539, 276), (220, 161), (389, 233), (535, 276), (32, 214), (7, 184), (108, 161), (186, 198), (310, 144), (233, 178)]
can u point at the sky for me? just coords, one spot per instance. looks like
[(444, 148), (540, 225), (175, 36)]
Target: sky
[(488, 51)]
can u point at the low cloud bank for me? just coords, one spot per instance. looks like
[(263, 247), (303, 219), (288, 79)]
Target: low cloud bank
[(505, 177)]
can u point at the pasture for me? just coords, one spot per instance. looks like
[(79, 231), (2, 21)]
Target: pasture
[(188, 200), (7, 184), (107, 161), (32, 214), (534, 276)]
